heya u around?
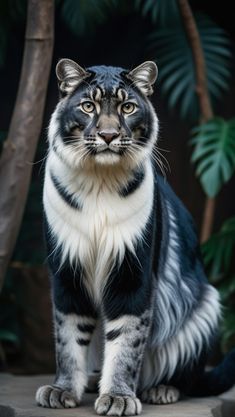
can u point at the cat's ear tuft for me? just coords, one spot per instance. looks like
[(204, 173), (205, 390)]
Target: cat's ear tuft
[(69, 75), (144, 76)]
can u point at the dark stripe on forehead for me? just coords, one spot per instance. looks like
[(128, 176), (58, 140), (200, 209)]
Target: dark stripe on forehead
[(108, 82), (134, 183), (64, 194)]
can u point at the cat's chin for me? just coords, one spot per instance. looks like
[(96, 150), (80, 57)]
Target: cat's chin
[(105, 158)]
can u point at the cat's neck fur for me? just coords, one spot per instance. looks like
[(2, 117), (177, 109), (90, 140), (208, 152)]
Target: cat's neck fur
[(91, 175)]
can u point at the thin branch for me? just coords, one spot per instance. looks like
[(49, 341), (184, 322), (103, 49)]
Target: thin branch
[(201, 89)]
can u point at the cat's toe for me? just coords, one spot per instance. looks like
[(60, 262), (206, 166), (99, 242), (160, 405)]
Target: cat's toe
[(162, 394), (111, 405), (55, 397)]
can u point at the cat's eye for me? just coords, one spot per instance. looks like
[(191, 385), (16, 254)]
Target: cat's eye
[(88, 106), (128, 107)]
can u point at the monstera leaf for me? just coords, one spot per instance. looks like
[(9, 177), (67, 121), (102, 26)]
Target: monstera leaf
[(218, 254), (214, 153), (176, 66)]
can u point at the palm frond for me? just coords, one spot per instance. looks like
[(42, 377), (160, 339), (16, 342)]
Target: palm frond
[(214, 153), (160, 11), (176, 66)]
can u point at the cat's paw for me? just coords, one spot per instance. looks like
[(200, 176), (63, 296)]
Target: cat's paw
[(116, 405), (55, 397), (162, 394)]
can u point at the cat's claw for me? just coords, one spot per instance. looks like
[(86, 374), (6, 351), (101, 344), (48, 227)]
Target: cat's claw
[(116, 405), (55, 397), (162, 394)]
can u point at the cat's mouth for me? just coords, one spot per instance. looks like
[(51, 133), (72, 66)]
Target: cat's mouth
[(106, 149)]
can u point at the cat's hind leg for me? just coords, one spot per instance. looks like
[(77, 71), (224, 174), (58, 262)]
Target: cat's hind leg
[(161, 394)]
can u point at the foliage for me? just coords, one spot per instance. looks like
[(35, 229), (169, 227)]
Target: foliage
[(218, 253), (162, 12), (81, 16), (176, 64), (214, 153)]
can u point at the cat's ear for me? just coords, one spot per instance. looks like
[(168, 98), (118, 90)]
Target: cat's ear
[(69, 75), (144, 76)]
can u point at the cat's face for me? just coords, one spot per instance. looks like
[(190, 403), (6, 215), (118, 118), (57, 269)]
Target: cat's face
[(104, 116)]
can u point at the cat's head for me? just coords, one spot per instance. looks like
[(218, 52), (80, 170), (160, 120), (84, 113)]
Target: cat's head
[(104, 115)]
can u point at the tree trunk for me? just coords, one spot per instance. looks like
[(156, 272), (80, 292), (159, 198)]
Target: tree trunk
[(203, 97), (20, 146)]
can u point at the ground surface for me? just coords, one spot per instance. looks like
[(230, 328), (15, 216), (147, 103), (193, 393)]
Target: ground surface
[(17, 400)]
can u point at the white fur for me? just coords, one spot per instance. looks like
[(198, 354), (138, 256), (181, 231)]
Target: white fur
[(97, 235)]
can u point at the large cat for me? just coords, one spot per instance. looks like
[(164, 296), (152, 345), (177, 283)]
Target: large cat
[(122, 249)]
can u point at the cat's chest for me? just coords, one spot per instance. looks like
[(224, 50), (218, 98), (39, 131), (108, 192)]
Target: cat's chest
[(98, 231)]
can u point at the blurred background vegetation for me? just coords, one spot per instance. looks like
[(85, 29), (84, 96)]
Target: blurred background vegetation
[(200, 151)]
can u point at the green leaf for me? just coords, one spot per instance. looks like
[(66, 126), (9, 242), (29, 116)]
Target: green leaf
[(214, 154), (176, 64)]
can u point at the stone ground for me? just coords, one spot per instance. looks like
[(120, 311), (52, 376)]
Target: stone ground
[(17, 400)]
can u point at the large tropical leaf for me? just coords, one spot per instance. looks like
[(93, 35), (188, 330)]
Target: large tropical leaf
[(176, 66), (162, 12), (218, 253), (214, 153)]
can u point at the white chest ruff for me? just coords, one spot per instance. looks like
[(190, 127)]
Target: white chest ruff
[(96, 236)]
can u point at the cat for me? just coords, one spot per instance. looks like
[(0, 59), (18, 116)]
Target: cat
[(122, 250)]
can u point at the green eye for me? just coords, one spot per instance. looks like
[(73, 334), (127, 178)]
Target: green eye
[(88, 106), (128, 107)]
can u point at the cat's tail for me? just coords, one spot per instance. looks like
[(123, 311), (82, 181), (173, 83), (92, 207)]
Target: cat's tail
[(217, 380)]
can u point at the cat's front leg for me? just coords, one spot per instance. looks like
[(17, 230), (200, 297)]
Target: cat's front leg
[(124, 347), (127, 312), (74, 323), (72, 335)]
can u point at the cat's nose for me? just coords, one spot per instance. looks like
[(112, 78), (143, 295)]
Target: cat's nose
[(108, 134)]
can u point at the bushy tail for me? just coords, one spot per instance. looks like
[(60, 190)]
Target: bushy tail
[(216, 381)]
